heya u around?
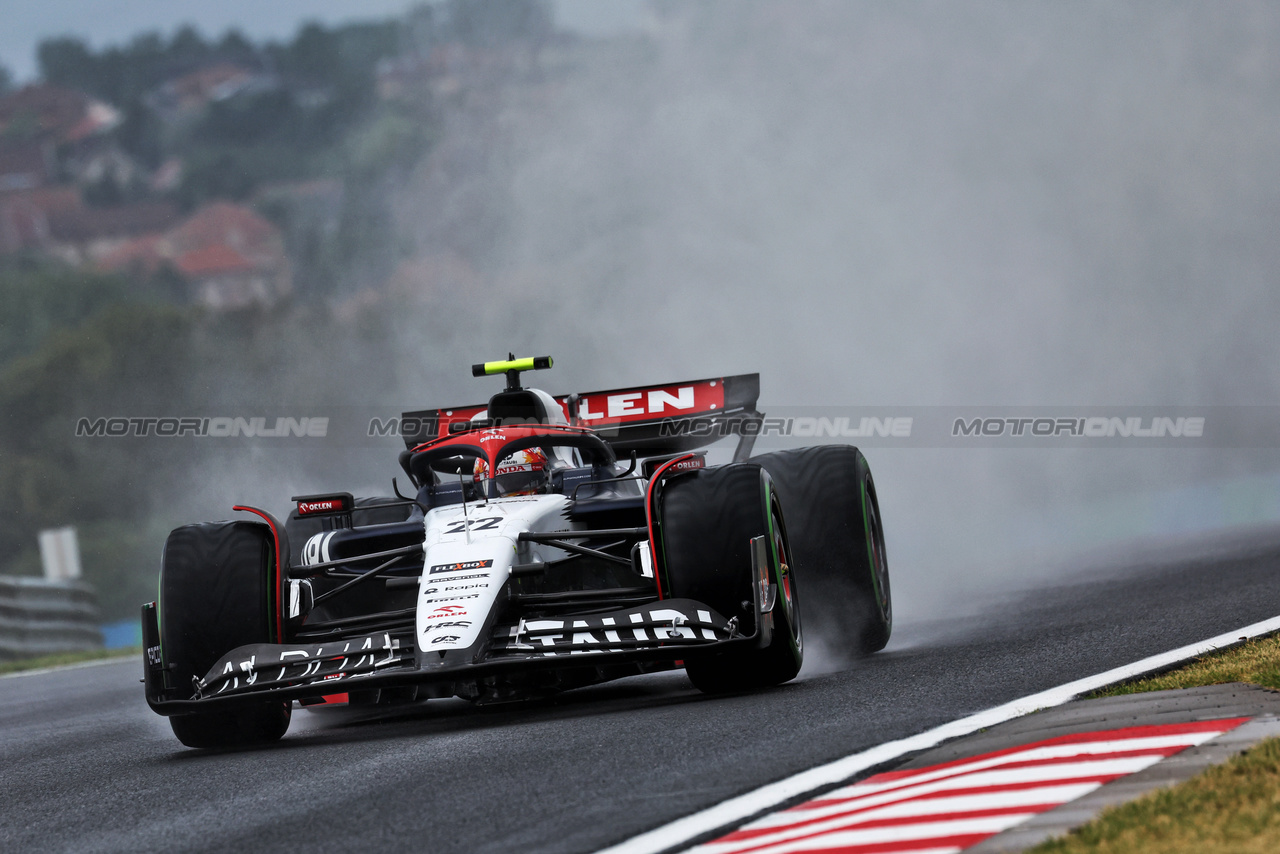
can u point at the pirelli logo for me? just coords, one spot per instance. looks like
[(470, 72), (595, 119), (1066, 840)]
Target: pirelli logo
[(460, 567)]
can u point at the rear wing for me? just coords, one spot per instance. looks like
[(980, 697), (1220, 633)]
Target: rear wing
[(649, 420)]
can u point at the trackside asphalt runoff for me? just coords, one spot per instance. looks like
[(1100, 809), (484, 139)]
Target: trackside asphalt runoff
[(733, 813)]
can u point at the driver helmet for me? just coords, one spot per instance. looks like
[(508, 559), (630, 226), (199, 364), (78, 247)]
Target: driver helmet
[(521, 473)]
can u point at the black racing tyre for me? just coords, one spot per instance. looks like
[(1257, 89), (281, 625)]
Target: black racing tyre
[(708, 521), (837, 541), (217, 584)]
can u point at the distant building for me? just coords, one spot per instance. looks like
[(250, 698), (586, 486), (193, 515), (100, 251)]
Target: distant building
[(25, 216), (50, 135), (84, 235), (55, 221), (189, 94), (55, 114), (46, 130), (231, 257), (25, 165)]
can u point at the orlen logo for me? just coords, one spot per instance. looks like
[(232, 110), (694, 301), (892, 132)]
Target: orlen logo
[(686, 465), (327, 505), (647, 404)]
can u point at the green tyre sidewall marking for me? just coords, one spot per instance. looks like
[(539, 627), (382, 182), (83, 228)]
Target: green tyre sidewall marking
[(873, 537), (795, 637), (871, 542)]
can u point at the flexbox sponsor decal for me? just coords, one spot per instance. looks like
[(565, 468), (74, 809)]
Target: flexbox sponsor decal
[(462, 566)]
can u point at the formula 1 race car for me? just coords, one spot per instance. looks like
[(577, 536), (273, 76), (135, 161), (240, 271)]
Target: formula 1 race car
[(530, 560)]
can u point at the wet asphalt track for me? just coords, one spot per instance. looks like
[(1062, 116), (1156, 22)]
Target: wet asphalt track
[(84, 766)]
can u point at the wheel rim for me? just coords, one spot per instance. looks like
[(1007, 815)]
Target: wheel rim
[(786, 587), (880, 564)]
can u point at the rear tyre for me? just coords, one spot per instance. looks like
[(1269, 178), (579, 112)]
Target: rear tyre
[(837, 543), (217, 593), (708, 521)]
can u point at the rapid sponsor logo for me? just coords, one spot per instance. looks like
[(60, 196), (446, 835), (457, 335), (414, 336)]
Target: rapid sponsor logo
[(429, 591), (462, 567)]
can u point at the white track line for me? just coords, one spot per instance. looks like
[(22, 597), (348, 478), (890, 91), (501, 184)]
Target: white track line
[(115, 659), (737, 810)]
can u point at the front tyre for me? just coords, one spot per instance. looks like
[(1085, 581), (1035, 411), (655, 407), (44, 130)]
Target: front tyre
[(217, 584), (709, 519), (837, 541)]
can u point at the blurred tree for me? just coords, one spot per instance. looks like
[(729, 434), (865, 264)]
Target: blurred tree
[(38, 298), (6, 81), (141, 134), (249, 119), (135, 69), (420, 30), (118, 75), (313, 56), (235, 47), (66, 61), (487, 23), (188, 47), (123, 357)]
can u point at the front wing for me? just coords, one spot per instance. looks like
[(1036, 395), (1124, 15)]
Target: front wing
[(660, 631)]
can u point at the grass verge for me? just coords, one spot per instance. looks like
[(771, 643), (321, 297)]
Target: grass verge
[(1233, 807), (62, 658), (1255, 661)]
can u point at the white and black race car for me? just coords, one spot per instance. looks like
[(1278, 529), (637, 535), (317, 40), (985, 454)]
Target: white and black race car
[(530, 560)]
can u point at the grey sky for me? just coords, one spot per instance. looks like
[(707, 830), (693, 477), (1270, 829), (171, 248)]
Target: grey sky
[(103, 22)]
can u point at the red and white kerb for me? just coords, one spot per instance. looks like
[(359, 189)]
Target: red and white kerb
[(950, 807)]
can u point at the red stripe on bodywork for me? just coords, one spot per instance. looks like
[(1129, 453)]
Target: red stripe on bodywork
[(275, 536), (648, 515)]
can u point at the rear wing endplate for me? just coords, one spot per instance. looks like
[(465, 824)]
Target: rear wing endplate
[(649, 420)]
